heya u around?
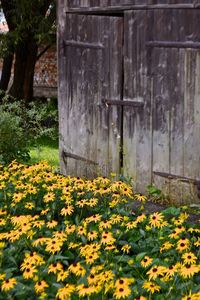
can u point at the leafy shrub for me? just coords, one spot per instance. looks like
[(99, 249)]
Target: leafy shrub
[(69, 238), (26, 124), (13, 141)]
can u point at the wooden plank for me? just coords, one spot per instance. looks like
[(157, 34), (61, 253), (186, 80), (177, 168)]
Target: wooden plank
[(173, 44), (178, 89), (113, 90), (117, 9), (79, 44), (91, 74), (137, 124), (191, 116), (123, 102)]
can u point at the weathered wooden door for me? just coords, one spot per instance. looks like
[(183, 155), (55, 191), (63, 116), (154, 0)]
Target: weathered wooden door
[(90, 63), (162, 68)]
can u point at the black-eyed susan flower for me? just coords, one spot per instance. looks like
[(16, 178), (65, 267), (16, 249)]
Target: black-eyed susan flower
[(77, 269), (40, 286), (49, 197), (52, 224), (105, 224), (92, 235), (91, 257), (187, 271), (140, 197), (92, 279), (151, 287), (8, 284), (126, 248), (146, 261), (191, 296), (81, 230), (84, 290), (29, 273), (54, 268), (67, 210), (156, 271), (70, 229), (189, 258), (107, 238), (156, 220), (122, 292), (183, 244), (166, 246), (62, 275), (65, 292)]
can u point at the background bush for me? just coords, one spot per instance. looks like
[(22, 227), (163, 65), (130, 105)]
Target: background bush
[(22, 125)]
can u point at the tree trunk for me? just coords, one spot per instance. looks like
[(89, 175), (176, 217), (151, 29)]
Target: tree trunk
[(6, 72), (25, 59)]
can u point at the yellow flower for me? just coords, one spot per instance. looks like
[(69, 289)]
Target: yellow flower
[(49, 197), (190, 296), (183, 244), (29, 273), (90, 258), (81, 230), (77, 269), (92, 235), (67, 210), (140, 197), (52, 224), (38, 223), (122, 292), (8, 284), (151, 287), (107, 238), (156, 271), (146, 261), (70, 229), (189, 258), (62, 275), (40, 286), (92, 202), (53, 245), (126, 248), (156, 219), (92, 279), (187, 271), (65, 292), (166, 246), (85, 290), (105, 224), (2, 276), (54, 268)]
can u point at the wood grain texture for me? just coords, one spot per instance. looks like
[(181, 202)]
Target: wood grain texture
[(89, 129)]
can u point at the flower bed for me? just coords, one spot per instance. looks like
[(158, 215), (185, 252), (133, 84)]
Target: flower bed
[(70, 238)]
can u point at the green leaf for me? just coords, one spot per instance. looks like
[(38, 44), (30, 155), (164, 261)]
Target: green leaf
[(140, 256), (171, 211)]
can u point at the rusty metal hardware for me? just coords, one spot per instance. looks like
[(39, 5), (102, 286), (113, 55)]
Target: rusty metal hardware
[(77, 157), (181, 178), (173, 44)]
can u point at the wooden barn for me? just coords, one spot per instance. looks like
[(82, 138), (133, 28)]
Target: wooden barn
[(129, 92)]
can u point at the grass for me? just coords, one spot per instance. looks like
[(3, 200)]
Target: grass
[(46, 149)]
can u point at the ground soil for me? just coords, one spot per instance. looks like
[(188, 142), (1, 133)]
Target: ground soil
[(151, 207)]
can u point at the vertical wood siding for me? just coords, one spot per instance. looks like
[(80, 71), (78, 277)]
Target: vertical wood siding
[(142, 58)]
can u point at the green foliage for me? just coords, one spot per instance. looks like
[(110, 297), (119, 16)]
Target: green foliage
[(22, 125), (64, 237), (13, 141)]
